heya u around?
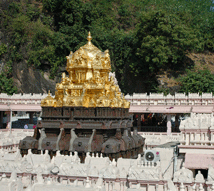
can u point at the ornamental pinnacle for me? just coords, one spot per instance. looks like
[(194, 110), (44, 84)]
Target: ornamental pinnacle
[(88, 83)]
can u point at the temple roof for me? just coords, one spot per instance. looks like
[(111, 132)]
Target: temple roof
[(88, 83)]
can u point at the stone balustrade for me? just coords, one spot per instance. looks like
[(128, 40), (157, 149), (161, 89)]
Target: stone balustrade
[(21, 99), (135, 99), (197, 130), (197, 138), (177, 99), (186, 138), (153, 139)]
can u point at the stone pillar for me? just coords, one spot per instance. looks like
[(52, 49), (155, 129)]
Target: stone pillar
[(11, 112), (169, 124), (139, 122), (31, 117), (176, 122), (1, 119), (156, 187), (8, 116)]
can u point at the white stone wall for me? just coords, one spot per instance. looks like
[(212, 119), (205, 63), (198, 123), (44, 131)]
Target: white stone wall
[(177, 99), (135, 99), (197, 130), (10, 139), (22, 98)]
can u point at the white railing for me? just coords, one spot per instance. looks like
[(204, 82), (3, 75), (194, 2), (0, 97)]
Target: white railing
[(135, 99), (197, 130), (153, 139), (21, 99), (177, 99), (197, 138)]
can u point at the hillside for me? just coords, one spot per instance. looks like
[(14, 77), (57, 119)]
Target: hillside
[(170, 80), (152, 44)]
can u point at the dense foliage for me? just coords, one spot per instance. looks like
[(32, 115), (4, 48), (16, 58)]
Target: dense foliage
[(197, 82), (143, 37)]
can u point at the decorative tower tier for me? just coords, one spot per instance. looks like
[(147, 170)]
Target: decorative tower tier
[(88, 84), (88, 113)]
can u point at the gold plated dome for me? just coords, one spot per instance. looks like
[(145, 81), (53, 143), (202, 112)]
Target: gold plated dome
[(88, 83)]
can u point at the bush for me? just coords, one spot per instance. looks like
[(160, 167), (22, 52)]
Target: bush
[(197, 81)]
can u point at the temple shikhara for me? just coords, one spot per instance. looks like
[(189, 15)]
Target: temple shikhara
[(88, 113), (88, 83)]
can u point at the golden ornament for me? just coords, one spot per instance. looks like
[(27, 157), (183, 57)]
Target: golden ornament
[(88, 84)]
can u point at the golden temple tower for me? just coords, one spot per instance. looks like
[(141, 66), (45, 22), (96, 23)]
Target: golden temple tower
[(88, 83), (88, 113)]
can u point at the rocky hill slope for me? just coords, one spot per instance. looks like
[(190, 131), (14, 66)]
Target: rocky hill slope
[(199, 61)]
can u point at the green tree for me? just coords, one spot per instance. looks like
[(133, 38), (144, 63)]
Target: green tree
[(162, 41), (197, 81), (6, 84), (3, 49)]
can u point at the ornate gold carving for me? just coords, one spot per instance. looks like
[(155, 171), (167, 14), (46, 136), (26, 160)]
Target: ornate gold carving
[(48, 101), (88, 84)]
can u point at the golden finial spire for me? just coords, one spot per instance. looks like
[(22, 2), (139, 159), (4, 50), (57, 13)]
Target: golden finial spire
[(88, 83), (49, 92), (89, 38)]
